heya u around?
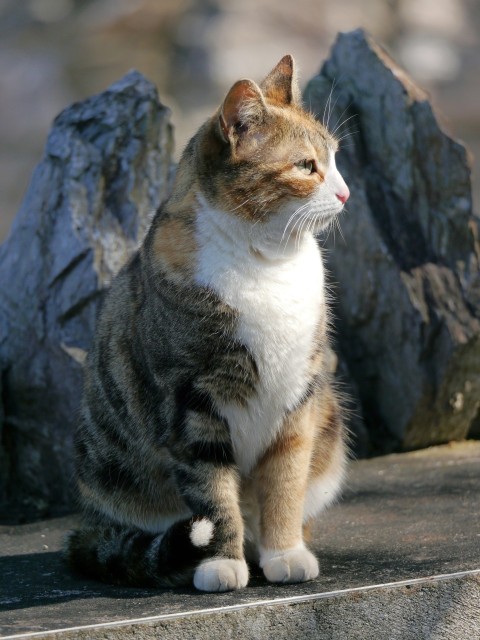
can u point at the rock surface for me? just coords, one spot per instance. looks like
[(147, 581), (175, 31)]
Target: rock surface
[(105, 170), (408, 271)]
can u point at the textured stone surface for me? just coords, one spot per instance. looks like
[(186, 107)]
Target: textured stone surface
[(105, 170), (443, 609), (408, 270), (404, 517)]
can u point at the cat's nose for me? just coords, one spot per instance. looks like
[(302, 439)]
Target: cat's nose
[(344, 194)]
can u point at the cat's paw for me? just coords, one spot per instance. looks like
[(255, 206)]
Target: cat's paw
[(221, 574), (292, 565)]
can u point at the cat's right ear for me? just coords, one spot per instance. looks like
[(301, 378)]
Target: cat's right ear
[(243, 106)]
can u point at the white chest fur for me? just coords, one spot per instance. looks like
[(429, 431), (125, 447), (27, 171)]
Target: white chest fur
[(280, 301)]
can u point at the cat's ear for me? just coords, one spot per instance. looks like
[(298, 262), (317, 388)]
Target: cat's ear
[(244, 105), (281, 84)]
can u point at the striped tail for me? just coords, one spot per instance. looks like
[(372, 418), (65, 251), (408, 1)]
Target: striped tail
[(132, 557)]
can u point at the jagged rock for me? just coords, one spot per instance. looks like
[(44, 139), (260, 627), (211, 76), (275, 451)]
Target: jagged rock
[(106, 168), (408, 271)]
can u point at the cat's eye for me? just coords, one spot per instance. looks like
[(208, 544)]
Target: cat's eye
[(306, 166)]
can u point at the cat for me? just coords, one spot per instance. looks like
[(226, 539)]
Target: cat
[(210, 428)]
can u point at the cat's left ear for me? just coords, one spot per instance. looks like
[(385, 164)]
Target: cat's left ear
[(281, 84)]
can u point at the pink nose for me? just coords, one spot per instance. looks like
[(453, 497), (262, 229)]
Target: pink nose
[(344, 195)]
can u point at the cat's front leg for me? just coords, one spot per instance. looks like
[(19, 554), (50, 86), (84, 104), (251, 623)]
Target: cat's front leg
[(209, 483), (281, 478), (227, 569)]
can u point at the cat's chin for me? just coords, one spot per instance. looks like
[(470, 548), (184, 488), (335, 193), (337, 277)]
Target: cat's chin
[(324, 222)]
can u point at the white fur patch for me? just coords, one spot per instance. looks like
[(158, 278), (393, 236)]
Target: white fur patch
[(221, 574), (280, 301), (201, 533), (324, 490), (290, 565), (334, 179)]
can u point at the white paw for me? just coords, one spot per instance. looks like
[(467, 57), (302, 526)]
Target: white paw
[(293, 565), (222, 574)]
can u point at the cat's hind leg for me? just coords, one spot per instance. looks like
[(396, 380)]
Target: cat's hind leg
[(329, 457), (129, 556)]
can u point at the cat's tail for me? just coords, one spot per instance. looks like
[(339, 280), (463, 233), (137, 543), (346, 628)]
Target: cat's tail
[(130, 556)]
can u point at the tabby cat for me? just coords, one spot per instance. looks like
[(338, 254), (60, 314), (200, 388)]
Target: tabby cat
[(210, 429)]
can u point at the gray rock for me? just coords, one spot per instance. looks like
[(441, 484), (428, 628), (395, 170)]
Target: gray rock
[(408, 278), (105, 170)]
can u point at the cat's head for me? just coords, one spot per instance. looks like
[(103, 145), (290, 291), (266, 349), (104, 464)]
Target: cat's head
[(264, 159)]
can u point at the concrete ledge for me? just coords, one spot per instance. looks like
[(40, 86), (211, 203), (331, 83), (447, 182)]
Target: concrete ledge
[(399, 558), (444, 607)]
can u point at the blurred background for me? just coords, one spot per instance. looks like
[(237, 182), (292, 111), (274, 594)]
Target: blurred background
[(54, 52)]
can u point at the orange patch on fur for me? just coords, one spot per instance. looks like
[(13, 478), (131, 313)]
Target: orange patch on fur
[(307, 530), (285, 444), (328, 435), (174, 245)]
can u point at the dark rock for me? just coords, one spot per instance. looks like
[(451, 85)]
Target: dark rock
[(106, 168), (408, 278), (475, 427)]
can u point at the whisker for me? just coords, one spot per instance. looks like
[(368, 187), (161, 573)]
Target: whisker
[(348, 134), (325, 233), (354, 115), (312, 224), (328, 103), (305, 222), (298, 223), (325, 106), (242, 204), (296, 212), (337, 224), (341, 115), (295, 228), (333, 107)]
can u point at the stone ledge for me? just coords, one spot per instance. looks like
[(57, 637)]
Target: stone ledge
[(409, 609), (399, 558)]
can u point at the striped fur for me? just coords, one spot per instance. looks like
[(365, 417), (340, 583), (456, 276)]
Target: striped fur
[(210, 427)]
